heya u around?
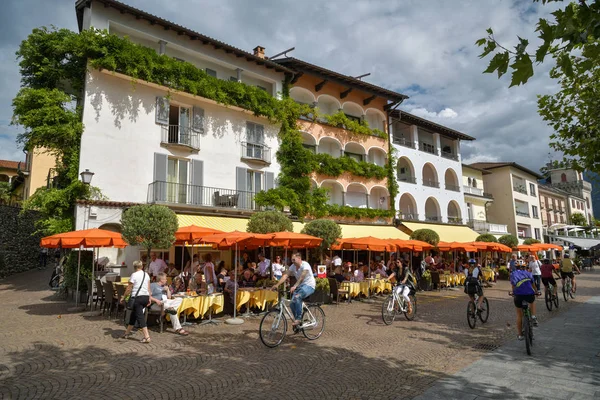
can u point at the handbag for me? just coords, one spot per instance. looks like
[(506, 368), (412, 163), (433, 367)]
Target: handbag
[(131, 300)]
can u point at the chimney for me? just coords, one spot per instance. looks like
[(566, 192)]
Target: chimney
[(259, 51)]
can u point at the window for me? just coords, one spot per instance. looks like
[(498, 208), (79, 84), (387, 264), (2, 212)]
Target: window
[(532, 189), (177, 180), (310, 147), (562, 219), (572, 202), (352, 117), (537, 233), (587, 202), (255, 137), (233, 79), (474, 183), (563, 177), (261, 88), (549, 219), (211, 72), (254, 181), (357, 157), (469, 181), (534, 211)]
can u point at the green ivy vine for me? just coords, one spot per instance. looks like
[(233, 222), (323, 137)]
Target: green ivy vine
[(331, 166)]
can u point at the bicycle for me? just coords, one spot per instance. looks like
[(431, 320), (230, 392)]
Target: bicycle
[(567, 289), (396, 303), (527, 325), (273, 326), (473, 313), (550, 297)]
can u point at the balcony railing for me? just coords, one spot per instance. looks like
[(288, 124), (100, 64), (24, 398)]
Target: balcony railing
[(430, 183), (427, 148), (256, 152), (433, 218), (454, 188), (180, 136), (403, 142), (406, 216), (483, 226), (455, 220), (472, 190), (450, 156), (522, 213), (407, 179), (520, 189), (203, 196)]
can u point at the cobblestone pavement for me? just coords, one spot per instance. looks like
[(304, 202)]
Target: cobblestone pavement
[(47, 352)]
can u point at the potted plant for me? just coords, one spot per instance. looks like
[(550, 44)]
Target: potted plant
[(425, 282), (503, 273), (321, 294)]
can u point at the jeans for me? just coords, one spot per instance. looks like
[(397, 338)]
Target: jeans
[(537, 279), (301, 292)]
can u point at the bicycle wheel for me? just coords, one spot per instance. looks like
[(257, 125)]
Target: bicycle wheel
[(413, 302), (485, 311), (471, 315), (527, 333), (555, 297), (571, 292), (314, 331), (564, 290), (272, 329), (388, 310), (548, 298)]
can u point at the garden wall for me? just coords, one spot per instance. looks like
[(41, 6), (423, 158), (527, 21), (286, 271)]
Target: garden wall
[(19, 246)]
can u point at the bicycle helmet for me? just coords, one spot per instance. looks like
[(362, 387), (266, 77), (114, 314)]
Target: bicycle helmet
[(472, 261)]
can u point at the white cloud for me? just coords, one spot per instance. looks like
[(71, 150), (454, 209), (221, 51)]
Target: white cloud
[(446, 113)]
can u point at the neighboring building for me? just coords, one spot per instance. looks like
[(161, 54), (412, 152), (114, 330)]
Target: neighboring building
[(572, 182), (553, 207), (13, 173), (594, 179), (41, 171), (477, 200), (518, 208)]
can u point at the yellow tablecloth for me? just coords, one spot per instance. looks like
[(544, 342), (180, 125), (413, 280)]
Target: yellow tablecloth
[(488, 275), (199, 305), (356, 288), (255, 297), (380, 285)]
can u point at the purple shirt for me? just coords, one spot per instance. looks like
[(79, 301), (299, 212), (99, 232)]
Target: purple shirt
[(522, 281)]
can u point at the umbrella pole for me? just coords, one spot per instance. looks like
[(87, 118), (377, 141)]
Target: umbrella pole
[(77, 294), (235, 320)]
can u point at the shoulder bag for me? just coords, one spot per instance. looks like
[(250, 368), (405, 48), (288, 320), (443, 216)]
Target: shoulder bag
[(131, 300)]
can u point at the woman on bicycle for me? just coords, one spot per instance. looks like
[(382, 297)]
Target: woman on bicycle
[(547, 269), (472, 284), (524, 289), (404, 278)]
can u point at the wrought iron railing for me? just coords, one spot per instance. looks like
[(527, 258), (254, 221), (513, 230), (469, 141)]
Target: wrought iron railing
[(407, 179), (454, 188), (402, 141), (432, 218), (430, 183), (180, 135), (522, 213), (407, 216), (202, 196), (450, 156), (256, 151), (427, 148), (455, 220)]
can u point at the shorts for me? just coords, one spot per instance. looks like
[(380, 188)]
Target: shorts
[(563, 274), (551, 280), (519, 298)]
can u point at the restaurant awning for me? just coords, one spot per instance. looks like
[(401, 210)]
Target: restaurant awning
[(225, 224), (447, 233), (583, 243), (353, 231)]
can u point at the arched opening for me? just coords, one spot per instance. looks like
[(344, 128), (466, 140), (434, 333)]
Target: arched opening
[(331, 146), (430, 177), (377, 156), (335, 192), (405, 171), (432, 210), (378, 198), (451, 180), (474, 183), (309, 142), (353, 110), (469, 181), (375, 119), (355, 151), (313, 184), (302, 96), (356, 195), (563, 177), (454, 214), (113, 227), (408, 207), (4, 178), (328, 105)]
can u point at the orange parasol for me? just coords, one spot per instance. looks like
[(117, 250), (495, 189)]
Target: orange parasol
[(291, 239), (193, 232), (491, 246), (410, 245), (528, 247), (547, 246), (86, 238), (367, 243), (450, 246)]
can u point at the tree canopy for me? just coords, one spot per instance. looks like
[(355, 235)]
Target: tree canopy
[(530, 241), (486, 237), (426, 235), (149, 226), (578, 219), (509, 240), (325, 229), (268, 222)]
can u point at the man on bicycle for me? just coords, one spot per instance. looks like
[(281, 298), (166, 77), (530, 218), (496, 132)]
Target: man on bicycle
[(472, 283), (566, 269), (304, 286), (404, 279), (524, 289), (547, 277)]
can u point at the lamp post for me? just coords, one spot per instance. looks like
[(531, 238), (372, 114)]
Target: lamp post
[(86, 176)]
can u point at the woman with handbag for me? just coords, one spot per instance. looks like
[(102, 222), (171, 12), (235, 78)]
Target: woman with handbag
[(139, 298)]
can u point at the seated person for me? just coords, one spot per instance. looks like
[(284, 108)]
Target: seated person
[(381, 271), (161, 296), (359, 275), (197, 283), (178, 285), (221, 278), (338, 276), (228, 292), (348, 271), (248, 279), (171, 271)]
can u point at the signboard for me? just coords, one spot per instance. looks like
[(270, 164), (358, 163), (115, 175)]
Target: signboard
[(322, 271)]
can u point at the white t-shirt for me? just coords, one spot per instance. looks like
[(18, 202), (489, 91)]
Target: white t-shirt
[(309, 279), (535, 267), (157, 266), (277, 269), (359, 276), (337, 262), (475, 272), (136, 279), (263, 266)]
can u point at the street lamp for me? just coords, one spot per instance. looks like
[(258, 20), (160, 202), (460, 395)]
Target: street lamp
[(86, 176)]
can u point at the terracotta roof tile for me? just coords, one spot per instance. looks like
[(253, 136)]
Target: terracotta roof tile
[(10, 164)]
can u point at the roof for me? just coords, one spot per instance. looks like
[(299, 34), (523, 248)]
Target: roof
[(584, 243), (550, 188), (483, 171), (422, 122), (302, 67), (107, 203), (7, 164), (168, 25), (492, 165)]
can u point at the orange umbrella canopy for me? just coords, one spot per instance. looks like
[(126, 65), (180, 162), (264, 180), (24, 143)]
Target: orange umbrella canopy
[(548, 246), (228, 239), (291, 239), (193, 232), (86, 238), (410, 245), (528, 247), (367, 243), (491, 246), (450, 246)]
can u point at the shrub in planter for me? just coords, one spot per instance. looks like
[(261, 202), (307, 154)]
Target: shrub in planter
[(503, 273), (84, 272), (509, 240), (426, 235), (321, 294), (425, 282)]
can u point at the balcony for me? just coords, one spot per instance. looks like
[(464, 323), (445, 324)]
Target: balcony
[(402, 141), (201, 196), (179, 137), (454, 188), (408, 216), (433, 218), (430, 183), (427, 148), (482, 226), (256, 152), (455, 220), (522, 213), (476, 192), (407, 179), (450, 156)]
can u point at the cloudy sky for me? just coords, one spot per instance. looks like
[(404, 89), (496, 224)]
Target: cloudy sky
[(422, 48)]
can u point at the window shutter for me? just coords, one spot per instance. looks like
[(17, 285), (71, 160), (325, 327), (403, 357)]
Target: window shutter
[(198, 120), (197, 182), (160, 177), (242, 187), (162, 110), (269, 180)]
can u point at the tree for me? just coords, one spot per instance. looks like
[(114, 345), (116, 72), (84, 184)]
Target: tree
[(149, 226), (486, 237), (578, 219), (426, 235), (325, 229), (5, 192), (530, 241), (269, 221), (509, 240)]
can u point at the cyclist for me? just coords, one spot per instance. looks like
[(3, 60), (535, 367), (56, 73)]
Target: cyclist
[(566, 269), (472, 284), (547, 269), (304, 286), (524, 289), (404, 279)]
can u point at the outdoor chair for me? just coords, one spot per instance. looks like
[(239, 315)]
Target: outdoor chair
[(99, 295), (110, 298), (120, 294), (90, 292), (160, 315), (342, 292)]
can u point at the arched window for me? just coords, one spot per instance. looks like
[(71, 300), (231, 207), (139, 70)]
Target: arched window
[(474, 182), (469, 181), (563, 177)]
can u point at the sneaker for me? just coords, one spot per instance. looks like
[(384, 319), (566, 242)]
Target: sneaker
[(520, 337), (535, 321)]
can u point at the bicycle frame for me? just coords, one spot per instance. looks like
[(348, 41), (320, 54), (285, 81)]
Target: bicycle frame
[(285, 310), (400, 300)]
